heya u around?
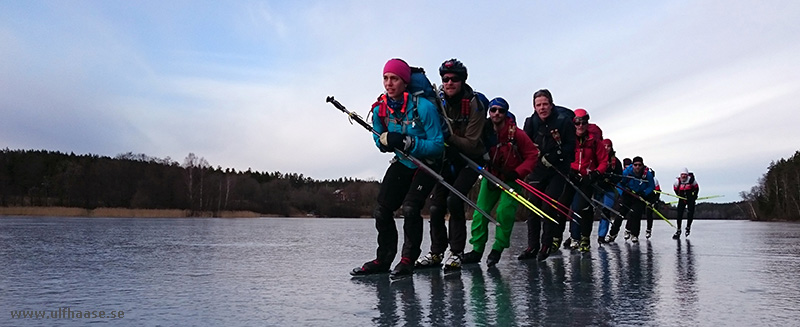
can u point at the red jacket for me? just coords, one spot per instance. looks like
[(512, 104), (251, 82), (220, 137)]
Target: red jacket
[(514, 151), (590, 154)]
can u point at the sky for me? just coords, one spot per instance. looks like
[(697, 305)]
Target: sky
[(707, 85)]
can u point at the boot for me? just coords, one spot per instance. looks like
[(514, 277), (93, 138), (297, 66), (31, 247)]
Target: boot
[(677, 235), (648, 233), (429, 260), (453, 261), (471, 257), (584, 245), (529, 253), (493, 258), (369, 268), (404, 268)]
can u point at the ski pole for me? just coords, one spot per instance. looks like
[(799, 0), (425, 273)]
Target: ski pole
[(669, 194), (546, 198), (417, 162), (503, 186)]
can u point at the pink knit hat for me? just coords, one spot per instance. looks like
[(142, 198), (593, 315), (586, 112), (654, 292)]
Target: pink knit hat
[(399, 68)]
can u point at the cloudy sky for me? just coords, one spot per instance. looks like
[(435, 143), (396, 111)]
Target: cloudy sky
[(708, 85)]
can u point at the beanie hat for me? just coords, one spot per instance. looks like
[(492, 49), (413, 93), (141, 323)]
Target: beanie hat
[(581, 112), (626, 161), (607, 142), (398, 67), (685, 171), (500, 102), (637, 159)]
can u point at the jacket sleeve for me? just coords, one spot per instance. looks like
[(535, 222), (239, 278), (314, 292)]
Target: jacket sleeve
[(377, 125), (676, 187), (651, 184), (568, 141), (529, 152), (602, 157), (471, 143), (432, 145)]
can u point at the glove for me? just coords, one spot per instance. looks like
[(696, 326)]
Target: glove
[(594, 176), (393, 140), (511, 174), (383, 148), (546, 162), (574, 177)]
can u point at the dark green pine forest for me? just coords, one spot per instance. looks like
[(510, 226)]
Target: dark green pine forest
[(52, 179)]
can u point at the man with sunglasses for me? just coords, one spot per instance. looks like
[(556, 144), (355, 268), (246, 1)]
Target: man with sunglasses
[(591, 162), (554, 135), (465, 115), (637, 179), (511, 155)]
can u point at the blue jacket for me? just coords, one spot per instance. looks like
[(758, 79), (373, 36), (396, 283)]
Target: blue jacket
[(641, 184), (421, 123)]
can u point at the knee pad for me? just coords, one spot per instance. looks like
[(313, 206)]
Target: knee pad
[(382, 213), (410, 211), (438, 212)]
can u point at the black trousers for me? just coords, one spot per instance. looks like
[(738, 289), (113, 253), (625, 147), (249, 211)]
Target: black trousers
[(410, 188), (549, 181), (458, 174), (686, 204), (633, 215)]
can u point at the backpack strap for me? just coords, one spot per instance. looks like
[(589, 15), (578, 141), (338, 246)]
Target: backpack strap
[(384, 109)]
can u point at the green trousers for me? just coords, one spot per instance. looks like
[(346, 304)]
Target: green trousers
[(506, 211)]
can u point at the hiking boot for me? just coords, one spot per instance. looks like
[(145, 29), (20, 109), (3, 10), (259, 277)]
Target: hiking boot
[(404, 268), (471, 257), (601, 240), (648, 233), (610, 238), (687, 231), (584, 245), (567, 243), (453, 261), (554, 246), (677, 235), (529, 253), (493, 258), (369, 268), (575, 244), (543, 254), (627, 235), (429, 260), (634, 239)]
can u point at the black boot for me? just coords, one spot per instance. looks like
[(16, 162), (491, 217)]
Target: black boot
[(529, 253), (494, 258), (471, 257), (369, 268)]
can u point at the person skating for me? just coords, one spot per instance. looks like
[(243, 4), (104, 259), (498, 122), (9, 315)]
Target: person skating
[(413, 127), (554, 135), (607, 192), (466, 115), (655, 199), (591, 162), (511, 155), (686, 187), (637, 180)]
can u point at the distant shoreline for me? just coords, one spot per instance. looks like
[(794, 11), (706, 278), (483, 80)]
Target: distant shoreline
[(123, 213)]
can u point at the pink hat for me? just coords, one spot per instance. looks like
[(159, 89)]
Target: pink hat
[(399, 68)]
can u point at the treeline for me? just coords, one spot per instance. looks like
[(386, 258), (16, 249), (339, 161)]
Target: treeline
[(777, 194), (47, 178)]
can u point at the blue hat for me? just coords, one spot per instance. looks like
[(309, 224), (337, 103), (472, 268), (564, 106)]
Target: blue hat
[(500, 102)]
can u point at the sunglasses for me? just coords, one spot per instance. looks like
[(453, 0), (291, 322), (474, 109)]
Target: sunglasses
[(455, 79), (581, 122), (638, 165), (495, 109)]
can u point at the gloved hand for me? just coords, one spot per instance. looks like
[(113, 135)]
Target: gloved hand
[(595, 176), (393, 140), (383, 148), (545, 161), (510, 174), (574, 177)]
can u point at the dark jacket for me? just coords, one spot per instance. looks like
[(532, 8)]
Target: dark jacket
[(555, 137)]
